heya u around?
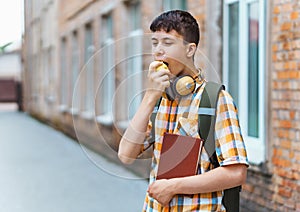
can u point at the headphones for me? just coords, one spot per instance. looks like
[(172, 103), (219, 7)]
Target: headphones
[(180, 86)]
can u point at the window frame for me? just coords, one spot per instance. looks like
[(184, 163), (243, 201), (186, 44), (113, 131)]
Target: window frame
[(256, 147), (134, 68), (75, 73), (107, 41), (89, 49), (63, 74)]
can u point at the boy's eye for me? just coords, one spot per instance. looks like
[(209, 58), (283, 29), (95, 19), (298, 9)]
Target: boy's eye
[(154, 43), (168, 43)]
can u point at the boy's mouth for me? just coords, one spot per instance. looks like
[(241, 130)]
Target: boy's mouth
[(167, 64)]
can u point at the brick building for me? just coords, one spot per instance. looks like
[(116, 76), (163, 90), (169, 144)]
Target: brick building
[(84, 60)]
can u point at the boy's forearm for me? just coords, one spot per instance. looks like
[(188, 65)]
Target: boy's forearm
[(215, 180), (130, 144), (134, 136)]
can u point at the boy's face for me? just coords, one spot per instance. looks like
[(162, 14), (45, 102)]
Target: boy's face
[(170, 47)]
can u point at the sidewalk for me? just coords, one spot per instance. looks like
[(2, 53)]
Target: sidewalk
[(42, 170)]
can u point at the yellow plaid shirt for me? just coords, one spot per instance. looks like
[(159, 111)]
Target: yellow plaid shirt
[(230, 148)]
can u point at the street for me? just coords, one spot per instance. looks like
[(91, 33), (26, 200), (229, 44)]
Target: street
[(43, 170)]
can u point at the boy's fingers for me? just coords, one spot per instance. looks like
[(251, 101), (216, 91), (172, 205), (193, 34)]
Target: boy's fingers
[(163, 75), (158, 66), (154, 65)]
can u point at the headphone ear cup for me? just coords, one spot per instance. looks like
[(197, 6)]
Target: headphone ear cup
[(184, 85), (181, 86), (169, 92)]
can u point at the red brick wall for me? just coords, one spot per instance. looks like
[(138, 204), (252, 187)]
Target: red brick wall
[(286, 103), (198, 10), (274, 186), (278, 189)]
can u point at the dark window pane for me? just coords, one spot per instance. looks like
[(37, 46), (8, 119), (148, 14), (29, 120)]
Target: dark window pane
[(233, 53), (253, 68)]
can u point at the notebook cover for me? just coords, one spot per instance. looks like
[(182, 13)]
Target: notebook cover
[(179, 156)]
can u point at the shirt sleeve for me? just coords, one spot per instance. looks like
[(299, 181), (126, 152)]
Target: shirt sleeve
[(230, 146)]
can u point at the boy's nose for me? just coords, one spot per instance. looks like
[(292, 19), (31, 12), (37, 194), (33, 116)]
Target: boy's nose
[(159, 51)]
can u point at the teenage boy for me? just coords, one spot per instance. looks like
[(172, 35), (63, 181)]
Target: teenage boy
[(174, 41)]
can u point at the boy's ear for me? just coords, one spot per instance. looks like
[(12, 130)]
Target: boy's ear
[(191, 49)]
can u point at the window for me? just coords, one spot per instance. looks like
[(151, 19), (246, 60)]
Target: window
[(75, 74), (45, 74), (89, 71), (174, 4), (134, 61), (49, 75), (34, 77), (244, 69), (107, 72), (63, 76)]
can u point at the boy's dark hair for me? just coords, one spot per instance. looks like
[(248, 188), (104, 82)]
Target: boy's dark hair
[(180, 21)]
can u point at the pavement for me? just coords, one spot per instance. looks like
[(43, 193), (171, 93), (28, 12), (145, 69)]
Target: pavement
[(43, 170)]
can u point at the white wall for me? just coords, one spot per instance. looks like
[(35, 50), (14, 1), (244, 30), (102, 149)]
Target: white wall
[(10, 65)]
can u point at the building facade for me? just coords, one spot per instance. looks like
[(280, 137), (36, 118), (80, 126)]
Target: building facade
[(10, 78), (86, 61)]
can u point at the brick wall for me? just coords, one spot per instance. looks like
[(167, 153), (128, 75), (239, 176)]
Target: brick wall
[(278, 189), (274, 186), (286, 104), (198, 10)]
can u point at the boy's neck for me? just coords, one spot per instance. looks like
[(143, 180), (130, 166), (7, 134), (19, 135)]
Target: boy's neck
[(189, 70)]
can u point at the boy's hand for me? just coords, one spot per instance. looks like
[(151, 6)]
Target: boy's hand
[(162, 191), (158, 81)]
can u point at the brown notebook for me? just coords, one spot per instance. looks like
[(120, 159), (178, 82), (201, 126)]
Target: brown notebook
[(179, 156)]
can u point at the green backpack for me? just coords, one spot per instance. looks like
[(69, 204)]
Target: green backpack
[(207, 114), (208, 103)]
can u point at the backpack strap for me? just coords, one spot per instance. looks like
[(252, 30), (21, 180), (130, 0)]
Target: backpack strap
[(207, 118)]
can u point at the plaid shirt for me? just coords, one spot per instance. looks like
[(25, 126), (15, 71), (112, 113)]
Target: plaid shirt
[(172, 116)]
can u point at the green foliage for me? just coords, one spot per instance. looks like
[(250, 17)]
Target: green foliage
[(3, 47)]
